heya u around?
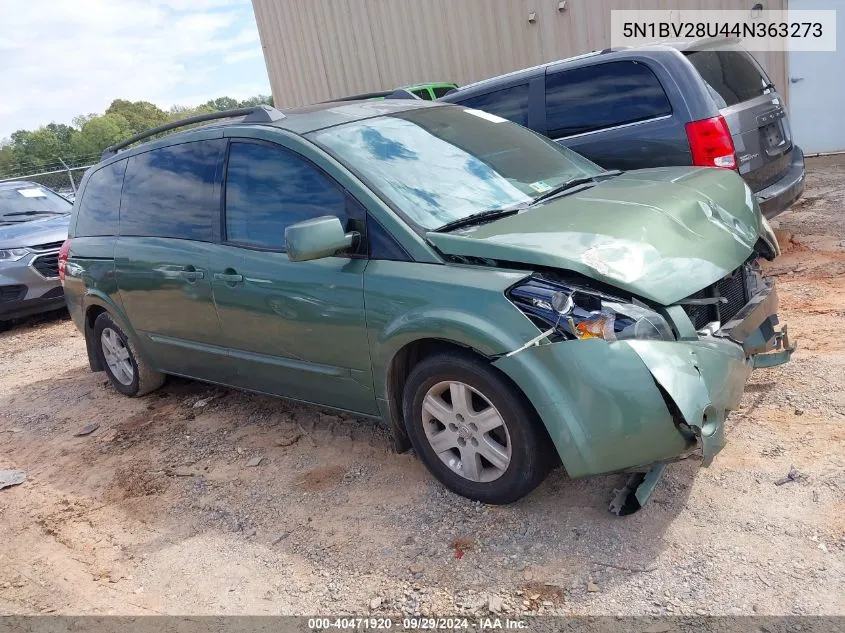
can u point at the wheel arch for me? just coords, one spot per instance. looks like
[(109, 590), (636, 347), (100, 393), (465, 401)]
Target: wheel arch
[(412, 353), (95, 304)]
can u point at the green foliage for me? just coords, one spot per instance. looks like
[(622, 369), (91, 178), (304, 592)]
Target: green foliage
[(28, 151)]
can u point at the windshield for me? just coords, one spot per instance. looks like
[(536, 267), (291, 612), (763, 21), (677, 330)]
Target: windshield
[(29, 201), (439, 165)]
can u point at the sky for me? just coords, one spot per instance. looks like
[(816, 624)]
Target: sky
[(62, 58)]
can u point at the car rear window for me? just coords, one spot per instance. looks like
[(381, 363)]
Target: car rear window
[(602, 96), (510, 103), (731, 76), (170, 192), (100, 206)]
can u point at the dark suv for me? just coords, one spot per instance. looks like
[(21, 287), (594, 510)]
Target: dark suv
[(706, 104)]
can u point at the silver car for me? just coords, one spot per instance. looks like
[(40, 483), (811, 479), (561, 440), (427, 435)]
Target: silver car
[(33, 225)]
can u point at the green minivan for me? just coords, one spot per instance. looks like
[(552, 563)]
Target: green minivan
[(501, 302)]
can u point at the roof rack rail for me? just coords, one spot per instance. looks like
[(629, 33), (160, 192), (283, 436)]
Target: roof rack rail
[(255, 114)]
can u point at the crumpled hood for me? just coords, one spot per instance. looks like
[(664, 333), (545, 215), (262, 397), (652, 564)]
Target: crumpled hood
[(37, 231), (662, 234)]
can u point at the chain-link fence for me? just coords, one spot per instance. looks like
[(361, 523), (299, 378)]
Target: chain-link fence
[(62, 175)]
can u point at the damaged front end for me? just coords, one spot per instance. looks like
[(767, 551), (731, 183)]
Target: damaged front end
[(622, 386)]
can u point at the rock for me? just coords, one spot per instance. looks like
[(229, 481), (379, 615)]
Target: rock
[(416, 568), (375, 603), (86, 430), (799, 411), (289, 440), (255, 461), (592, 587), (203, 402), (528, 575), (494, 604), (11, 478)]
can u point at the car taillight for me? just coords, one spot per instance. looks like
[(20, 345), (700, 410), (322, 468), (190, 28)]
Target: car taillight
[(711, 143), (64, 251)]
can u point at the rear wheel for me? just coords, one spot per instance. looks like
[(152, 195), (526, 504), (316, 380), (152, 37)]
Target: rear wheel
[(473, 430), (127, 371)]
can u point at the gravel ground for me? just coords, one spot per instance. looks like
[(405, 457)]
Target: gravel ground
[(166, 508)]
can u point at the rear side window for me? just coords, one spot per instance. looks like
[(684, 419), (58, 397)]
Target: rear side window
[(269, 188), (422, 93), (441, 91), (510, 103), (731, 76), (597, 97), (99, 209), (170, 192)]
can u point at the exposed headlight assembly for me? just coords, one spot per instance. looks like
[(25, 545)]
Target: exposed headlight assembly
[(12, 254), (573, 313)]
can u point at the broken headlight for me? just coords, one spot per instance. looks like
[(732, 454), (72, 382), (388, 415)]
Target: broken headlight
[(580, 313)]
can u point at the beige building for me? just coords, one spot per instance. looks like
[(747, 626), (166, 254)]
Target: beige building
[(317, 50)]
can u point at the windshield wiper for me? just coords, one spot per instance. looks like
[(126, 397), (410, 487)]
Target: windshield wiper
[(478, 218), (575, 182), (34, 213)]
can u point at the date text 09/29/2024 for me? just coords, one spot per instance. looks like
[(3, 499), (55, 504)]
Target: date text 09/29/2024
[(417, 624)]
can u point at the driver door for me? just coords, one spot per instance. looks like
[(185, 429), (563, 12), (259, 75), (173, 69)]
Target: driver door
[(293, 329)]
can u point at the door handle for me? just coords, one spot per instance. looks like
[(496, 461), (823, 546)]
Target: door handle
[(795, 80), (229, 278), (192, 274)]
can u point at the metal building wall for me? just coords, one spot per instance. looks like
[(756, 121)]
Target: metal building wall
[(317, 50)]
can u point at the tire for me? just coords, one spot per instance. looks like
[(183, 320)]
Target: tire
[(519, 449), (128, 372)]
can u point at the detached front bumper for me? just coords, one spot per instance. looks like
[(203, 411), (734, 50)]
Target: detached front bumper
[(631, 404)]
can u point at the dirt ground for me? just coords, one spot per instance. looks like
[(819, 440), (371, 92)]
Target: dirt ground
[(162, 508)]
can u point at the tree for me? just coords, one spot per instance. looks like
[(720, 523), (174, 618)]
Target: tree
[(100, 132), (36, 149), (140, 115), (28, 151), (223, 103)]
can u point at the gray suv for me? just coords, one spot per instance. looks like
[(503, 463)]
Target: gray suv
[(33, 225), (707, 104)]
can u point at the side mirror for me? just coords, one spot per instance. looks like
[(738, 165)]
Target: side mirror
[(316, 239)]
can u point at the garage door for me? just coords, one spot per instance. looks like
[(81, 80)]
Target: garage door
[(816, 90)]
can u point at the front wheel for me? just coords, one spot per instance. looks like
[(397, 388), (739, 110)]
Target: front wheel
[(127, 372), (473, 430)]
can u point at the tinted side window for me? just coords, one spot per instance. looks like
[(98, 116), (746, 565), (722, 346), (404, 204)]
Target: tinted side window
[(441, 91), (100, 206), (731, 76), (170, 192), (597, 97), (422, 93), (269, 188), (510, 103)]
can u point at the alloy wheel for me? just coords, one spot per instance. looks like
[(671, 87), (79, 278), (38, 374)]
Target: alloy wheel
[(466, 431)]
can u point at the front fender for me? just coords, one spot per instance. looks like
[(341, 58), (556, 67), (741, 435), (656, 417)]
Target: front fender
[(471, 329), (599, 403)]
